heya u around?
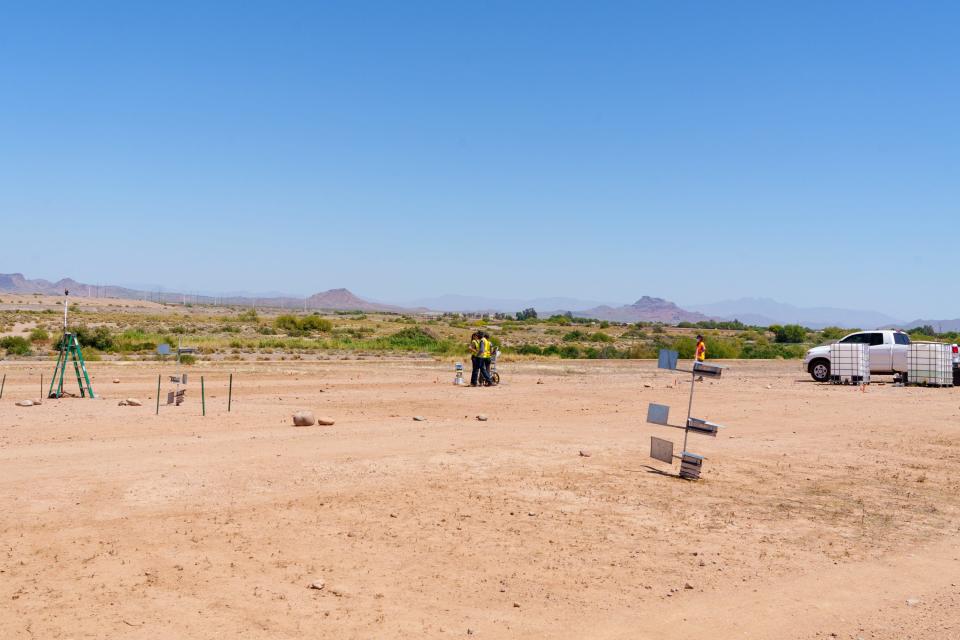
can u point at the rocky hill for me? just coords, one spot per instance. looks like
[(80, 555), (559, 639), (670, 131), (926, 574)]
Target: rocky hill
[(646, 309)]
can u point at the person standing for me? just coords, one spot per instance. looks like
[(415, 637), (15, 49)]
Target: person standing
[(701, 353), (475, 358), (486, 355)]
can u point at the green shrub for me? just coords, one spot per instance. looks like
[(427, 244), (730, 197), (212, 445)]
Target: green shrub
[(39, 334), (301, 325), (528, 350), (834, 333), (188, 358), (99, 338), (789, 334), (16, 345)]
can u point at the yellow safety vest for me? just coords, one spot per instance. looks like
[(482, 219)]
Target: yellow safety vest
[(701, 351), (475, 347), (485, 348)]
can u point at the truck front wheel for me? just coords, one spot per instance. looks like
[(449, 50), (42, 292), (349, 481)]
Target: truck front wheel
[(820, 370)]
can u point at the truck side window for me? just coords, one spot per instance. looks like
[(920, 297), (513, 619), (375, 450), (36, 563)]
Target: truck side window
[(901, 338), (857, 338), (876, 339)]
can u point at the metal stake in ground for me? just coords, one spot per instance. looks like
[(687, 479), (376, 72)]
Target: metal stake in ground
[(4, 383), (158, 395), (230, 393), (203, 397)]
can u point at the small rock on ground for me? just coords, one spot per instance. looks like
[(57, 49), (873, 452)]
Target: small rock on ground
[(325, 421), (584, 453), (116, 381), (25, 403), (318, 584), (303, 419), (482, 418), (419, 419)]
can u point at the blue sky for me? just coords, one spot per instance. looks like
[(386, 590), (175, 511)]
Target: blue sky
[(808, 152)]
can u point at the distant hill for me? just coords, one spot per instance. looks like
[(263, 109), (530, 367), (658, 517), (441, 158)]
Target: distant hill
[(479, 304), (941, 326), (334, 299), (764, 312), (646, 309)]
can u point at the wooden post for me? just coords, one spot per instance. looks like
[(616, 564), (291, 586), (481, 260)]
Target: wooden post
[(158, 395), (229, 393), (203, 397)]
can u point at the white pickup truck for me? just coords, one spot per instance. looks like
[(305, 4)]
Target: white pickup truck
[(888, 353)]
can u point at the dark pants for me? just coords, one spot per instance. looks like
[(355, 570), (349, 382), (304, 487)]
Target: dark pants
[(481, 368), (485, 370)]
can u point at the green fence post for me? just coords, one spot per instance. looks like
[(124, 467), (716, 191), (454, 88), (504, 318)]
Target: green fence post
[(158, 396), (203, 397), (229, 393)]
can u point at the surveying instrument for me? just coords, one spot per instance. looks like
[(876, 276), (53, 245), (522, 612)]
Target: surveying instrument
[(69, 351)]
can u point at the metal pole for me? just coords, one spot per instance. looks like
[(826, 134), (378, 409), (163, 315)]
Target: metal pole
[(203, 397), (686, 431), (4, 383), (41, 386), (158, 395), (229, 393)]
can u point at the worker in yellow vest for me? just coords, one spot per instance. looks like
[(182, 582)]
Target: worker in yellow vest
[(486, 354), (475, 358)]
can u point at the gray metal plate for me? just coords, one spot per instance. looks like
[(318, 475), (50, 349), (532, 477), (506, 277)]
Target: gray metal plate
[(667, 359), (661, 449), (658, 414)]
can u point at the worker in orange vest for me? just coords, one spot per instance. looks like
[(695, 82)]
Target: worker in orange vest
[(701, 353)]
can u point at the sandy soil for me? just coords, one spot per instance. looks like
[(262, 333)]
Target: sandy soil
[(823, 512)]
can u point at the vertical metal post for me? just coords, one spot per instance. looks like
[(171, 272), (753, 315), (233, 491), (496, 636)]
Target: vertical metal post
[(4, 383), (158, 396), (686, 431), (229, 393), (41, 386), (203, 397)]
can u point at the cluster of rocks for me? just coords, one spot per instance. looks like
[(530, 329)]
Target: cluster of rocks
[(307, 419)]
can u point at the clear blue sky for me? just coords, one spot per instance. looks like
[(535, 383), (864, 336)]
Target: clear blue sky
[(810, 151)]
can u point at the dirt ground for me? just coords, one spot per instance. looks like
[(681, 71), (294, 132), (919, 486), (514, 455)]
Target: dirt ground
[(823, 511)]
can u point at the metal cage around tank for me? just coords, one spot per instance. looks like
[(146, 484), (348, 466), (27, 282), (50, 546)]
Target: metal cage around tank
[(930, 364), (850, 363)]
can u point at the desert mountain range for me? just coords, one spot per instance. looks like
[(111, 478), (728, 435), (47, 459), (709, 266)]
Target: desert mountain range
[(757, 311)]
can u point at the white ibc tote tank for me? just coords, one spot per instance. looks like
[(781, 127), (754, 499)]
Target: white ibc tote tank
[(930, 363), (849, 363)]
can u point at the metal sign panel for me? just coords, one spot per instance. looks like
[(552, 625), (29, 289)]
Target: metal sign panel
[(163, 349), (667, 359), (709, 370), (658, 414), (703, 427), (661, 449)]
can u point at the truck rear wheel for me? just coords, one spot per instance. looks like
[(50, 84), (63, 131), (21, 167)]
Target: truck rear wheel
[(820, 370)]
